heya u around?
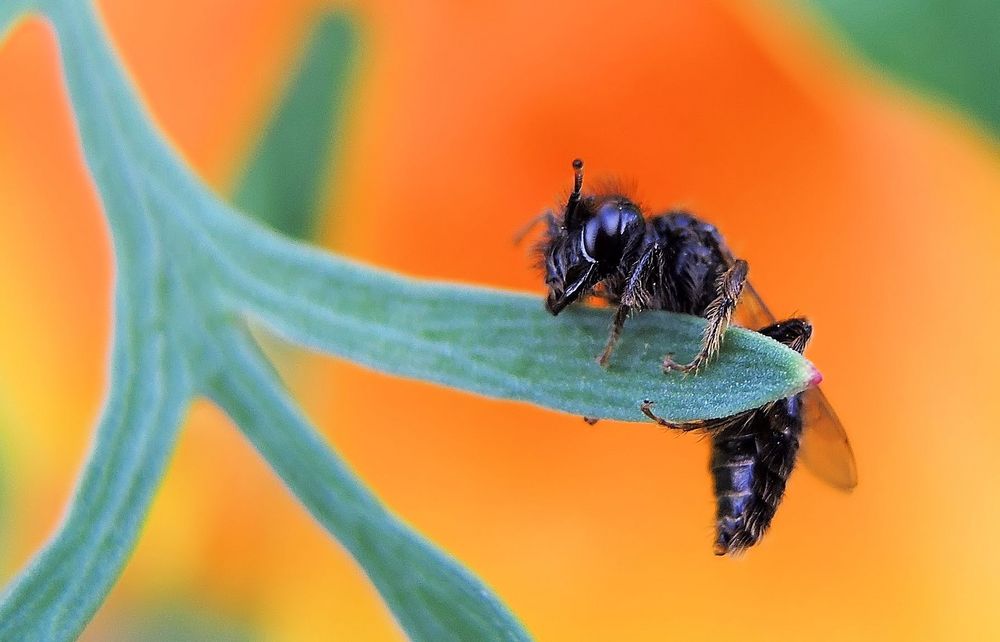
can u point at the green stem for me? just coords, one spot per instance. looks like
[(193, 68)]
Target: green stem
[(415, 578), (58, 593)]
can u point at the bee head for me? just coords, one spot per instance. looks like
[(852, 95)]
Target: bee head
[(592, 240)]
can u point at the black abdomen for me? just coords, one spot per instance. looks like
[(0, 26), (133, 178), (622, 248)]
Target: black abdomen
[(751, 462)]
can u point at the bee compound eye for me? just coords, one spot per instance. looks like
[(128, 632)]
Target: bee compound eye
[(588, 240), (597, 232), (603, 238)]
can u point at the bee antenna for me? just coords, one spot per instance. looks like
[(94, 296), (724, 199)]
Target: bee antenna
[(574, 198), (530, 225)]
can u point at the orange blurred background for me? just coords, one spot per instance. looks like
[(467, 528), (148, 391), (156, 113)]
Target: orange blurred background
[(856, 203)]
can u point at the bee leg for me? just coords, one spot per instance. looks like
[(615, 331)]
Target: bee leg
[(719, 313), (635, 297), (686, 426), (621, 315)]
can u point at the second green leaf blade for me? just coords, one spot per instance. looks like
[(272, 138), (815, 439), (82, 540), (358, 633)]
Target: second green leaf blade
[(284, 181)]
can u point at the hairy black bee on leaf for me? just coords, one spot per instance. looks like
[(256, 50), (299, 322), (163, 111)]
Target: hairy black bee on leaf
[(602, 245)]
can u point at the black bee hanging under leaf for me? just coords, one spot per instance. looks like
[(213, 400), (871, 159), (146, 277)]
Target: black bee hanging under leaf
[(602, 245)]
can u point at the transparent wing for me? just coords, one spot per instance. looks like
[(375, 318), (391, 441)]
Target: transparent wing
[(751, 312), (825, 449)]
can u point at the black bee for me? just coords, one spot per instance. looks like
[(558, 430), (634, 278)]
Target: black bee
[(602, 245)]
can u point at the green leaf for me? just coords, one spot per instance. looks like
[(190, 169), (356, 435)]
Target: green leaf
[(283, 182), (175, 323), (10, 12), (434, 598), (150, 389), (948, 48), (505, 345), (190, 271)]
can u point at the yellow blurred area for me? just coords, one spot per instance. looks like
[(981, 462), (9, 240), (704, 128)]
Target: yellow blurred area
[(856, 204)]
